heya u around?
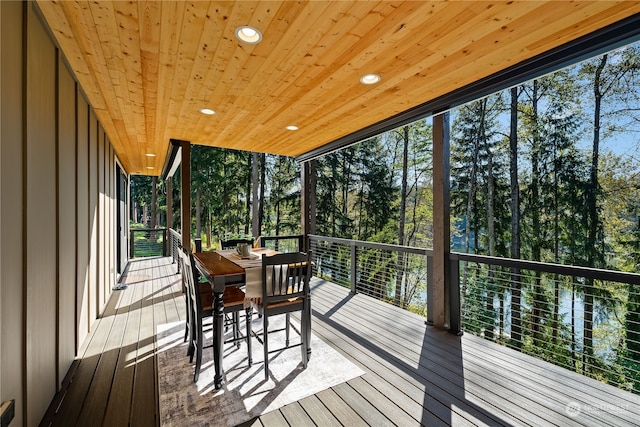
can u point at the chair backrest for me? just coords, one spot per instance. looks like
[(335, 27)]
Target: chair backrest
[(193, 279), (185, 284), (226, 244), (285, 276), (193, 294)]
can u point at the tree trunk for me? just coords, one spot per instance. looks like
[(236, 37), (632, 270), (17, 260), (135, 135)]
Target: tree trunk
[(398, 300), (536, 249), (492, 242), (469, 215), (516, 316), (198, 215), (592, 218), (555, 327)]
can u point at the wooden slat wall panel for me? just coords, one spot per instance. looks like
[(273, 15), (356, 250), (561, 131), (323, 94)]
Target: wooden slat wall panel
[(66, 220), (109, 225), (100, 254), (49, 176), (93, 218), (82, 203), (41, 221), (11, 202)]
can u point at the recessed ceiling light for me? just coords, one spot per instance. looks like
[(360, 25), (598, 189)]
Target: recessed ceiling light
[(150, 155), (207, 111), (248, 34), (150, 167), (369, 79), (292, 127)]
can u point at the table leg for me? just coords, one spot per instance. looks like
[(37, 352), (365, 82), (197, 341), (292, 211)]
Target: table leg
[(307, 330), (218, 326)]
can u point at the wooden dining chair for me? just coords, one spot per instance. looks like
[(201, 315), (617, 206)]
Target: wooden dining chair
[(202, 307), (204, 288), (232, 243), (285, 289), (187, 299)]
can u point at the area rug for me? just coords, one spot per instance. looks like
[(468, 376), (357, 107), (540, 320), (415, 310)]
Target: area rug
[(245, 394)]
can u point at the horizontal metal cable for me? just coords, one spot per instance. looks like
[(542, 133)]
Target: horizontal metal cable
[(555, 319)]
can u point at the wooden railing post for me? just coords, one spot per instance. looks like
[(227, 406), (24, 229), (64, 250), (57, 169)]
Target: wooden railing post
[(165, 242), (455, 326), (429, 291), (354, 264)]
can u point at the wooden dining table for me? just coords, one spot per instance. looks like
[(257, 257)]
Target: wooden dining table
[(222, 269)]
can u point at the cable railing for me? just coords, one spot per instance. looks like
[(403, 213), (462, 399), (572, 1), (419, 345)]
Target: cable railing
[(392, 273), (147, 242), (173, 247), (583, 319), (285, 243)]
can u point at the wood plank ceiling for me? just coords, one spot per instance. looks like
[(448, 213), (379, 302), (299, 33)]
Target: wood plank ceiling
[(148, 67)]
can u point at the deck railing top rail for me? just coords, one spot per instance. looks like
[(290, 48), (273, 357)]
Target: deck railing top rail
[(567, 270)]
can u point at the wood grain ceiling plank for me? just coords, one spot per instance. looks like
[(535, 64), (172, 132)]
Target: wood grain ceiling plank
[(342, 39), (226, 81), (505, 46), (343, 86), (65, 34), (260, 77), (308, 73), (595, 15), (444, 79), (109, 55), (128, 29), (232, 79), (193, 25), (149, 18), (86, 37), (209, 43), (348, 112), (172, 14), (222, 48), (303, 32)]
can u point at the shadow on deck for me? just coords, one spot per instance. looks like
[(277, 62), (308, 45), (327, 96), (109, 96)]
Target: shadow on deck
[(414, 374)]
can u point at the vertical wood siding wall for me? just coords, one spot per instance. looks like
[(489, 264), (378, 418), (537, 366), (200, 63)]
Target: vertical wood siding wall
[(57, 215)]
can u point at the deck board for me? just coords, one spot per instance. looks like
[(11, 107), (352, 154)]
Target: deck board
[(414, 374), (119, 405), (321, 415)]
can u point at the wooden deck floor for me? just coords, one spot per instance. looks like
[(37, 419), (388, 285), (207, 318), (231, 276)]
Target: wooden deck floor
[(414, 374)]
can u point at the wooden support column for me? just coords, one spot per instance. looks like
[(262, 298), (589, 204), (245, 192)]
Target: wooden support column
[(255, 203), (313, 181), (185, 194), (441, 225), (169, 202), (304, 204)]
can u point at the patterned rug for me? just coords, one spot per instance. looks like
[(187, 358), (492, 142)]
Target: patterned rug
[(245, 394)]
